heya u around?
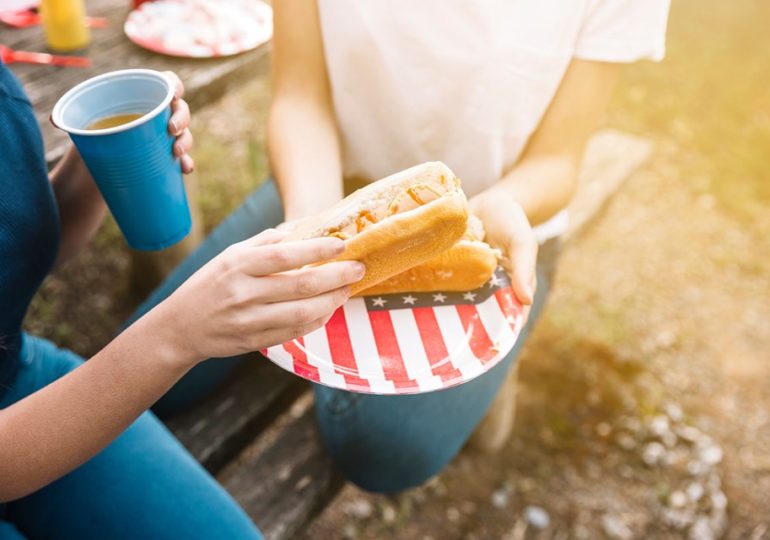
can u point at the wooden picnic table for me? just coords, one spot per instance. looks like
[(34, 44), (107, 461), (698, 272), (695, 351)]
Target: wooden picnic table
[(206, 80)]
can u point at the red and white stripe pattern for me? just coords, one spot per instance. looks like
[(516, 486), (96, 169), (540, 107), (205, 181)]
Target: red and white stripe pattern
[(408, 343)]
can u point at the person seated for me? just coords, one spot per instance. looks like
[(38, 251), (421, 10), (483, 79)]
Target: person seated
[(506, 94), (80, 457)]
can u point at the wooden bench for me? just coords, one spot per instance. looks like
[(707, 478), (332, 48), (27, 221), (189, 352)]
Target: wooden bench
[(258, 435)]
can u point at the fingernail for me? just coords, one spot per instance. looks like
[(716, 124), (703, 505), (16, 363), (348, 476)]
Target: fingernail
[(360, 269), (188, 163), (179, 149), (174, 127)]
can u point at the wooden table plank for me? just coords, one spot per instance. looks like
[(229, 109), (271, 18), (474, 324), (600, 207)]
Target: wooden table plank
[(285, 478), (205, 79), (220, 427)]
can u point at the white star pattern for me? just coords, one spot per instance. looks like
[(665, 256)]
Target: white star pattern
[(495, 281), (379, 302), (469, 296), (439, 298), (410, 300)]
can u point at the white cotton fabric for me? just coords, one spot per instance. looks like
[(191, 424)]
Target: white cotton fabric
[(466, 82)]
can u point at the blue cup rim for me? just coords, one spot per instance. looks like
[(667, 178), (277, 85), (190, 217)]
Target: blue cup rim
[(58, 109)]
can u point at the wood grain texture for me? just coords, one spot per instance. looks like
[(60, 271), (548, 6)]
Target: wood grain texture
[(220, 427), (286, 478)]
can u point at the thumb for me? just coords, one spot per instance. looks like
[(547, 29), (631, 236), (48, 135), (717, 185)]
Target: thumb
[(521, 262)]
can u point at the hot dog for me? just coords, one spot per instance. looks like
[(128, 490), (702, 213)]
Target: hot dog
[(395, 223), (467, 265)]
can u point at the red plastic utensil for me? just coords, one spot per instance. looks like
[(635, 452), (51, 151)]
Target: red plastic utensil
[(8, 56), (22, 19)]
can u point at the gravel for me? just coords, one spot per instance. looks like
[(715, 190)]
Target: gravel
[(537, 517), (614, 527)]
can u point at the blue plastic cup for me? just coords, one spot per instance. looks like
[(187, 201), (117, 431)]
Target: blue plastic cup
[(132, 164)]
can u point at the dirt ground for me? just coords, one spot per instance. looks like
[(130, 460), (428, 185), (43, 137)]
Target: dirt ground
[(644, 403)]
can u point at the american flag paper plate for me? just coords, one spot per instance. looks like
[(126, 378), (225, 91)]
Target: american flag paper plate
[(200, 28), (408, 343)]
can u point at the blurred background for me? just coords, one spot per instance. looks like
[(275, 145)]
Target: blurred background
[(644, 404)]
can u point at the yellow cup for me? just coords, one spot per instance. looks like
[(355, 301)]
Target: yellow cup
[(65, 24)]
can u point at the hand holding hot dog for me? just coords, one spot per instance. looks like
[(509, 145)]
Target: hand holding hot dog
[(257, 293), (507, 229)]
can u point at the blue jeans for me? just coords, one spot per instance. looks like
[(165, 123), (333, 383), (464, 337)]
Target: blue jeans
[(143, 485), (381, 443)]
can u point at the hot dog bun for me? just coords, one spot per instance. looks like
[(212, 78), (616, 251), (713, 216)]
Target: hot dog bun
[(465, 266), (395, 223)]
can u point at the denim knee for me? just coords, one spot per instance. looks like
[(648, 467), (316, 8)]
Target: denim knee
[(379, 471), (390, 457)]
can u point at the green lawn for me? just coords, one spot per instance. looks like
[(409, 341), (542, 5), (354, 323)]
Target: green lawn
[(711, 95)]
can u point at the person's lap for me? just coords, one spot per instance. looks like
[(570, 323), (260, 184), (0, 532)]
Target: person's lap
[(143, 485), (392, 443)]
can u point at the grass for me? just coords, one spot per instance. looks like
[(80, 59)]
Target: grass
[(711, 98), (230, 151)]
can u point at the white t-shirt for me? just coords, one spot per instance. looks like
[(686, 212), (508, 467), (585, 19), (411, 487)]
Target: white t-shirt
[(466, 82)]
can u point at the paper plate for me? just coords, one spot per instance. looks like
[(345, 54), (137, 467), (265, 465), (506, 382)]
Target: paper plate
[(14, 6), (408, 343), (200, 28)]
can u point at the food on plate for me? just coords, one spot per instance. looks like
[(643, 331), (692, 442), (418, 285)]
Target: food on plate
[(395, 223), (467, 265)]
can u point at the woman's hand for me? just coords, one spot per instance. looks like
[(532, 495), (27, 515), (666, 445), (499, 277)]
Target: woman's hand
[(508, 229), (256, 294), (178, 125)]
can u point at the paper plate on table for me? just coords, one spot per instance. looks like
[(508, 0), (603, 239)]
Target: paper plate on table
[(200, 28), (14, 6), (408, 343)]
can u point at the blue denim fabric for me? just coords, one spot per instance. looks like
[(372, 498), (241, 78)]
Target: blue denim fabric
[(143, 485), (391, 443)]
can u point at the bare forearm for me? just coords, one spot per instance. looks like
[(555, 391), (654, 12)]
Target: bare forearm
[(541, 185), (305, 157), (545, 178), (52, 431), (81, 208)]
